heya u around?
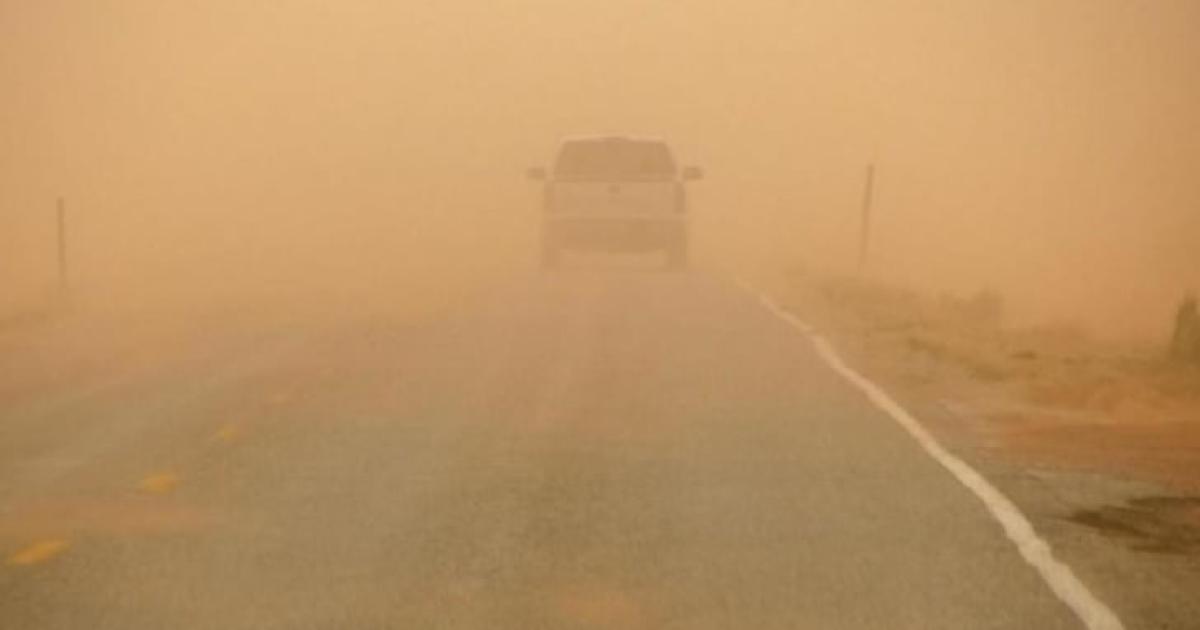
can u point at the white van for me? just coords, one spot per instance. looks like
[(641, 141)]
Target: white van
[(615, 194)]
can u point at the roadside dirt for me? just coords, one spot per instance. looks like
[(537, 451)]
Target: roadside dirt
[(1048, 398)]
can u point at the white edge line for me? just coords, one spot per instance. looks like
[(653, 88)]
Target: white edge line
[(1094, 614)]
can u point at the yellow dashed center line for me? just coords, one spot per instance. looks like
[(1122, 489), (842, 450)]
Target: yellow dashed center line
[(228, 433), (160, 483), (38, 552)]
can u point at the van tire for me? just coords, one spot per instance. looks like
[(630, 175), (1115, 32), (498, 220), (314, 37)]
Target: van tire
[(551, 255), (677, 255)]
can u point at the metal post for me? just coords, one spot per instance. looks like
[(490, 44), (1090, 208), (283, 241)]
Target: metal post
[(62, 247), (865, 236)]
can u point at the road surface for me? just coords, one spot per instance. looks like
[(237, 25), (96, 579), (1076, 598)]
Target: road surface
[(589, 449)]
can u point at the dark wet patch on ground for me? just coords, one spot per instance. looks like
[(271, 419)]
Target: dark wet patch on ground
[(1156, 524)]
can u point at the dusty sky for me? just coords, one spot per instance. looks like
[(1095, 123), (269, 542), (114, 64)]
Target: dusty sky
[(1045, 148)]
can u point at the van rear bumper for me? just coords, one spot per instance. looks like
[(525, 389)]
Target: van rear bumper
[(614, 234)]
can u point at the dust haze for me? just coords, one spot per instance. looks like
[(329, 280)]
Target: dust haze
[(235, 155)]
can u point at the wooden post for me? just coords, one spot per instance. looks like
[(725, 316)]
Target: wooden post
[(865, 235), (62, 247)]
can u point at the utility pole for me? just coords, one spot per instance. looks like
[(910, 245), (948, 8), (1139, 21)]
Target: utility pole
[(865, 236), (61, 208)]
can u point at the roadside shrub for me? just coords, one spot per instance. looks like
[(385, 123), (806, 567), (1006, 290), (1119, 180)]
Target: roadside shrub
[(1185, 340)]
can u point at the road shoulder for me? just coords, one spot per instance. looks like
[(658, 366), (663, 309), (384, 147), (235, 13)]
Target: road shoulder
[(1130, 531)]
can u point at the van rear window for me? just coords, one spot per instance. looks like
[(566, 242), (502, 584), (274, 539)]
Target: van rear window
[(614, 160)]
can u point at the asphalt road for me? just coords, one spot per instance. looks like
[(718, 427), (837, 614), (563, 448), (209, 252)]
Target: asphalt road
[(590, 449)]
